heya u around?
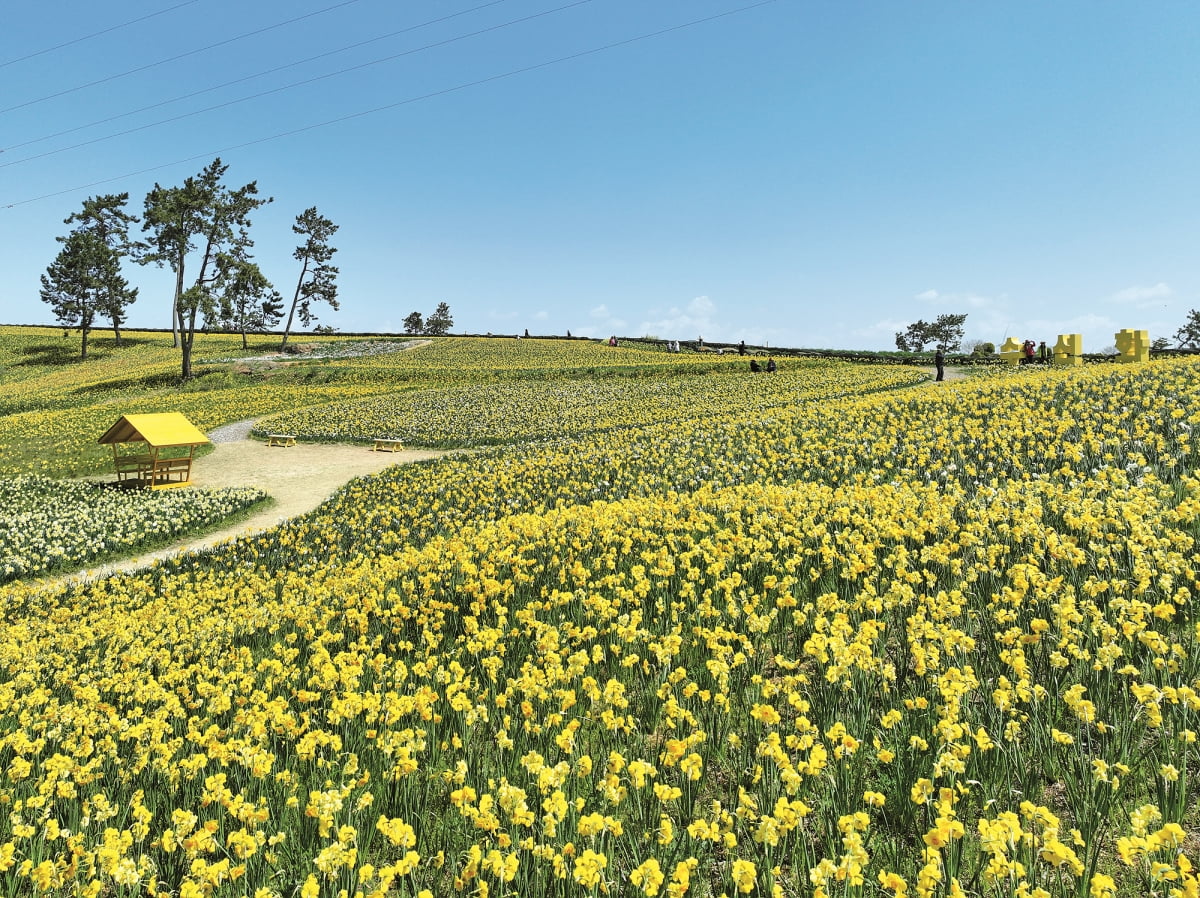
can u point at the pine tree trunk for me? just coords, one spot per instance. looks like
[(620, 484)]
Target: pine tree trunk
[(292, 311), (175, 316), (185, 342)]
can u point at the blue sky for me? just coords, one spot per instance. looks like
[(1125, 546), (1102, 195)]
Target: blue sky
[(812, 174)]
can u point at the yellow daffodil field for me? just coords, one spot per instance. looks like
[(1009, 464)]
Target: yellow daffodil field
[(830, 632)]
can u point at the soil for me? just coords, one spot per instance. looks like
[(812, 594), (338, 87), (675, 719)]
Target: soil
[(952, 373), (298, 478)]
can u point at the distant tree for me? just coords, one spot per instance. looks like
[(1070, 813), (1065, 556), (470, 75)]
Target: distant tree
[(983, 347), (105, 216), (414, 323), (1158, 344), (318, 279), (946, 332), (85, 280), (440, 321), (1188, 336), (245, 301), (106, 223), (202, 214)]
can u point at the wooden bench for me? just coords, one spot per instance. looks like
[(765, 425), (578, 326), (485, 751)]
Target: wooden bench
[(133, 467), (170, 472), (148, 470), (281, 439), (387, 444)]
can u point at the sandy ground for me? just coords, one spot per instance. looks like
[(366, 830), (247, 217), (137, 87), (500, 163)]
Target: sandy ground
[(298, 478), (952, 373)]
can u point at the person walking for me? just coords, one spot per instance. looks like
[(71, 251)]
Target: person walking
[(939, 360)]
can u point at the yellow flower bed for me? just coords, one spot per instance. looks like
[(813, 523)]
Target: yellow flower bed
[(930, 642)]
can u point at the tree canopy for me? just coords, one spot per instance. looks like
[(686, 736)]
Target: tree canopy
[(85, 279), (414, 323), (440, 321), (1188, 336), (246, 301), (946, 331), (318, 278), (203, 214)]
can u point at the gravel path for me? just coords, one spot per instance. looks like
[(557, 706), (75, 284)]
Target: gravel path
[(232, 433)]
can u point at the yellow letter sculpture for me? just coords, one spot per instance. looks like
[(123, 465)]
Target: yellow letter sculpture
[(1134, 345), (1010, 351), (1069, 349)]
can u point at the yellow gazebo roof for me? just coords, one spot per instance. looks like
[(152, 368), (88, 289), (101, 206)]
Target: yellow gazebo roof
[(160, 430)]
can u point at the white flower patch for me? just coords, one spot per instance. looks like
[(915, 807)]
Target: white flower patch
[(47, 524)]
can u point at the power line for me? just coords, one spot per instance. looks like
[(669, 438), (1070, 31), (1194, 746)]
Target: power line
[(280, 68), (150, 65), (88, 37), (276, 90), (405, 102)]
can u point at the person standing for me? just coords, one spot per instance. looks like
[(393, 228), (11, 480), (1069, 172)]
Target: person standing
[(939, 360)]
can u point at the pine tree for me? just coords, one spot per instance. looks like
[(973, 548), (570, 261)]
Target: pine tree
[(202, 214), (440, 321), (245, 300), (318, 279), (85, 279), (414, 323)]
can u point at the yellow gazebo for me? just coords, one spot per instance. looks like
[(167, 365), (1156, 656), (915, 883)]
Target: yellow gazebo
[(147, 464)]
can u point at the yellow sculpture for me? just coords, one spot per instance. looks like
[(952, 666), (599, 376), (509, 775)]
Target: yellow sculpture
[(1069, 349), (1133, 345), (1010, 351)]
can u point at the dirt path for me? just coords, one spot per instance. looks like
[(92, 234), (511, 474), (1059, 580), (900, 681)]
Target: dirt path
[(298, 478), (952, 373)]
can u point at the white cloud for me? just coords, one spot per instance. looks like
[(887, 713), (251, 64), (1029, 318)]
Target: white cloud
[(502, 316), (885, 328), (690, 322), (605, 324), (1142, 296), (950, 300), (541, 316)]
